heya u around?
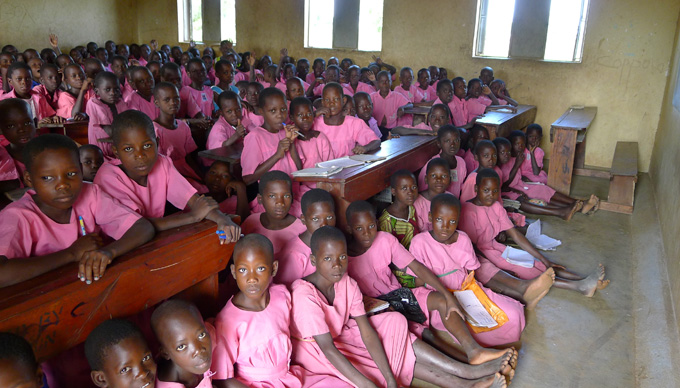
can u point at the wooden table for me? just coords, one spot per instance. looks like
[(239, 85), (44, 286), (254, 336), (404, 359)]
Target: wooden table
[(565, 133), (362, 182), (76, 130), (419, 113), (502, 123), (229, 154), (56, 311)]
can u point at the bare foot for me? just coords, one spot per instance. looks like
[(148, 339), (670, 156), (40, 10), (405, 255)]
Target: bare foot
[(501, 364), (571, 212), (509, 377), (593, 203), (538, 288), (601, 282), (513, 359), (481, 355), (588, 285), (499, 381), (494, 381)]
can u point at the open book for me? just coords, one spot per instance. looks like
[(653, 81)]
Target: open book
[(374, 306), (475, 313)]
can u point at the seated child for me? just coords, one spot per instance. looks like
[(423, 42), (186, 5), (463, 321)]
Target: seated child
[(332, 74), (438, 178), (50, 82), (407, 88), (294, 88), (64, 60), (364, 108), (72, 103), (477, 134), (142, 99), (486, 75), (354, 85), (254, 111), (18, 366), (302, 68), (20, 79), (102, 109), (349, 135), (428, 91), (186, 345), (328, 308), (318, 68), (448, 140), (188, 107), (224, 74), (450, 255), (459, 105), (91, 158), (119, 66), (486, 156), (229, 193), (144, 181), (313, 146), (270, 74), (92, 67), (276, 197), (18, 129), (242, 89), (483, 218), (498, 89), (439, 115), (480, 99), (388, 106), (155, 69), (253, 329), (42, 229), (532, 167), (119, 356), (399, 218), (35, 64), (230, 128), (202, 94)]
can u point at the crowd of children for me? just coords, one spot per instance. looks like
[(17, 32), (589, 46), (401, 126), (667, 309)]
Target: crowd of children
[(302, 315)]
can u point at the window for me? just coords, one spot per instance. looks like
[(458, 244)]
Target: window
[(208, 22), (351, 24), (548, 30)]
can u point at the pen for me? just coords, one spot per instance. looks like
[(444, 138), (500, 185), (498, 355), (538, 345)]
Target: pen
[(82, 225)]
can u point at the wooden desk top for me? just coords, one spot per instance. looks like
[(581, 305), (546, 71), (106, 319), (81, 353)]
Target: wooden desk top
[(229, 154), (418, 110), (499, 118), (577, 119), (76, 130)]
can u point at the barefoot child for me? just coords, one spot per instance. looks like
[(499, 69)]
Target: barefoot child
[(187, 343), (230, 128), (399, 218), (142, 99), (532, 167), (438, 178), (388, 106), (483, 218), (91, 158), (58, 221), (448, 140), (18, 366), (119, 356), (229, 193), (102, 109)]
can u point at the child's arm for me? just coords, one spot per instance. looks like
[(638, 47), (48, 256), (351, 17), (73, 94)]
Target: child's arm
[(340, 362), (426, 275), (238, 135), (522, 241), (403, 131), (200, 206), (78, 106), (392, 69), (487, 92), (513, 172), (290, 134), (312, 85), (375, 349), (54, 42), (510, 100), (359, 149), (284, 146), (534, 164), (232, 232), (238, 188)]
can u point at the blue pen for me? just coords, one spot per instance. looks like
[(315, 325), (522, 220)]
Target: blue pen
[(82, 225)]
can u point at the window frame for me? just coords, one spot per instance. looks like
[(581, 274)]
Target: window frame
[(185, 28), (307, 24)]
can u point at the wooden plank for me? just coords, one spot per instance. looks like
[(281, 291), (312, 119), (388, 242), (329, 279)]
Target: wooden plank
[(625, 159), (622, 190), (604, 174), (562, 160), (616, 208), (229, 154), (76, 130), (578, 119), (502, 123)]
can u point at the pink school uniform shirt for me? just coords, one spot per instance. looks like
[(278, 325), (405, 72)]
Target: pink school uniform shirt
[(206, 382), (294, 262), (186, 81), (312, 315), (164, 184), (386, 107), (422, 206), (126, 89), (477, 106), (245, 75), (413, 94), (279, 238), (204, 99), (177, 144), (458, 176), (136, 102), (51, 99), (188, 107), (527, 169), (460, 111), (66, 103), (470, 162), (38, 104), (315, 150), (25, 231), (219, 133), (282, 86), (429, 94), (100, 115), (537, 191), (451, 263), (361, 87), (344, 137), (251, 119), (254, 346), (8, 169), (259, 146)]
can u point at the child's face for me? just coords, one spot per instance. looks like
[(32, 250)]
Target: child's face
[(345, 64), (208, 61), (63, 61), (364, 228), (518, 145), (330, 260), (75, 55), (186, 342), (176, 54), (438, 179), (21, 81), (51, 78), (110, 46), (35, 64), (14, 374), (294, 88), (434, 73), (276, 199), (319, 67), (124, 51), (103, 56), (18, 127), (145, 50), (443, 74), (331, 75), (225, 74), (487, 157), (197, 72), (478, 135), (475, 90), (274, 113), (173, 76), (486, 76), (265, 61), (217, 177), (424, 79), (354, 76), (384, 84), (288, 72), (364, 108), (253, 269), (497, 89), (438, 118), (137, 151), (303, 117), (90, 161), (445, 92), (444, 219), (129, 363), (155, 69), (119, 68), (487, 191), (252, 95), (231, 111), (460, 89), (406, 79), (533, 138), (108, 91), (6, 60), (318, 214), (504, 153), (449, 143), (143, 83), (406, 190), (56, 178), (30, 54), (168, 100), (348, 109), (92, 69), (333, 61), (302, 69), (332, 99)]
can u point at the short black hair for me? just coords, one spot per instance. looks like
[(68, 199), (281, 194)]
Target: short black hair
[(478, 128), (294, 79), (500, 141), (269, 93), (86, 147), (333, 85), (105, 76), (316, 196), (363, 95), (46, 66), (383, 73), (445, 199), (170, 307), (271, 70), (437, 162), (10, 104), (445, 107), (421, 71), (18, 66), (323, 234), (131, 119), (164, 85), (135, 69), (108, 334), (274, 176), (17, 349), (441, 83), (226, 96), (535, 127), (486, 173), (458, 79), (319, 60), (484, 144), (516, 133), (254, 240), (401, 174), (299, 101), (359, 207), (474, 81), (48, 141), (223, 63), (446, 129), (170, 66)]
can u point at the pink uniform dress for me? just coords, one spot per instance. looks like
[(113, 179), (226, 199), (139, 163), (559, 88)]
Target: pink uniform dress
[(458, 176), (126, 89), (294, 262), (372, 272), (279, 238), (459, 111), (344, 137), (361, 87), (313, 315), (186, 81), (8, 168), (219, 133), (164, 184), (527, 169), (451, 263), (204, 99), (51, 99), (482, 224), (66, 103), (532, 190), (429, 94), (422, 206), (254, 346), (25, 231), (207, 376), (40, 109), (477, 106), (245, 75), (281, 86), (177, 144), (188, 107), (136, 102), (100, 115), (315, 150), (251, 119), (386, 107), (413, 94), (470, 162)]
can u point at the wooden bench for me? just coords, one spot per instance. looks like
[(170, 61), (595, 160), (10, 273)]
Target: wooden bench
[(500, 123), (624, 175)]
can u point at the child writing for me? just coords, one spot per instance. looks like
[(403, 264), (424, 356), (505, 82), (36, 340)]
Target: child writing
[(388, 106), (532, 167), (448, 140), (143, 181), (230, 128), (18, 366), (438, 178), (399, 218), (142, 99), (102, 109), (229, 193), (91, 158), (72, 103), (58, 221)]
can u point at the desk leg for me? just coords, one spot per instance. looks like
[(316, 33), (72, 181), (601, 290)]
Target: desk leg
[(341, 204), (493, 131), (205, 295), (562, 160)]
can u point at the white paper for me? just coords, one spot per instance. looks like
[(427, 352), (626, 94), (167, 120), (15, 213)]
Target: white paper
[(316, 171), (518, 257), (367, 158), (541, 241), (341, 162), (475, 313)]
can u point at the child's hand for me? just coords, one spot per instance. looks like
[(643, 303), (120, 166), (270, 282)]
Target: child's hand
[(240, 129), (284, 146), (319, 80), (400, 112), (231, 231), (371, 76), (251, 60), (54, 40), (284, 52), (290, 132), (359, 149), (233, 187), (520, 159), (377, 60), (58, 120), (87, 83), (89, 242), (391, 135), (93, 265), (452, 306), (154, 44), (82, 116), (202, 206), (486, 90), (322, 111)]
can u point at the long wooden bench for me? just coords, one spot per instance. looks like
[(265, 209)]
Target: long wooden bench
[(623, 176)]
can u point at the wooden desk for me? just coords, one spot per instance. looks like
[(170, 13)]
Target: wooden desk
[(565, 133), (362, 182), (501, 123), (76, 130), (56, 311), (229, 154), (419, 113)]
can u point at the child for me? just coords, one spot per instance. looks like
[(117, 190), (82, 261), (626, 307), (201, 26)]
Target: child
[(91, 158), (480, 99), (399, 218), (253, 334), (483, 218), (119, 356), (439, 115), (254, 112), (486, 156), (329, 319), (143, 181), (224, 73), (532, 167), (103, 57), (186, 342), (434, 75), (155, 69), (73, 102), (364, 108), (302, 67), (276, 197), (102, 109), (332, 74), (209, 65), (318, 68), (271, 77), (349, 109), (294, 88), (188, 107), (64, 60), (92, 67), (230, 128), (459, 106), (448, 140), (354, 85), (407, 88), (58, 220), (313, 146), (498, 89), (349, 135), (119, 66), (35, 64), (388, 106), (142, 99), (486, 75), (20, 79), (18, 129), (18, 366), (477, 134), (428, 91), (227, 191), (201, 93), (438, 178), (450, 255), (50, 81)]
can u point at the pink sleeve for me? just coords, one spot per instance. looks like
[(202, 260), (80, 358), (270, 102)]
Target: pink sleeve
[(44, 108), (362, 133), (225, 352), (470, 261), (192, 106), (503, 219), (179, 189), (252, 156), (355, 298), (539, 154), (400, 256), (15, 234), (114, 218), (189, 143), (65, 105), (307, 314), (8, 170)]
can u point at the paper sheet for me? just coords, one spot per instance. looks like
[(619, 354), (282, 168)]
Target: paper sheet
[(367, 158), (475, 313), (518, 257), (341, 162), (316, 171), (541, 241)]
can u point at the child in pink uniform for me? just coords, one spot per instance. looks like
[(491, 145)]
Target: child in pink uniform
[(332, 74), (428, 91), (438, 177), (532, 167), (72, 103), (187, 343), (58, 221), (17, 129), (102, 110), (332, 335), (254, 111), (188, 107), (201, 93), (388, 106), (477, 134), (230, 128), (407, 88), (313, 146), (355, 85), (227, 191), (450, 255), (364, 108), (348, 135), (142, 99), (459, 106), (20, 79), (119, 66), (486, 156), (50, 84), (143, 180), (448, 140), (439, 115), (480, 99), (483, 218), (91, 158), (318, 68)]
